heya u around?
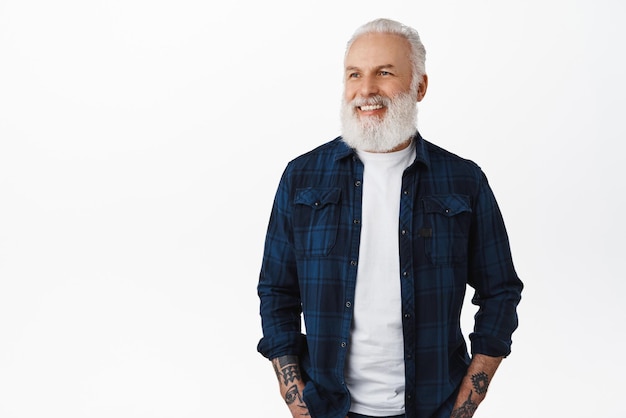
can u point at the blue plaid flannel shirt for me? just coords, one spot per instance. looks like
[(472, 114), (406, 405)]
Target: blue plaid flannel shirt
[(451, 234)]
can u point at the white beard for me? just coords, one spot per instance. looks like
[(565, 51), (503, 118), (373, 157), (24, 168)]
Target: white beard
[(376, 134)]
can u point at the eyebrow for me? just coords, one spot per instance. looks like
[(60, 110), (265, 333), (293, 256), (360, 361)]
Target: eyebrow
[(380, 67)]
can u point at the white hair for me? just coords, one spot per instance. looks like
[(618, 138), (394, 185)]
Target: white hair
[(418, 52)]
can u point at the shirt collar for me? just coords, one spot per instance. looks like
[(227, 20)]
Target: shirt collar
[(421, 151)]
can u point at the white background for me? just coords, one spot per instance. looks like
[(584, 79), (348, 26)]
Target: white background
[(141, 143)]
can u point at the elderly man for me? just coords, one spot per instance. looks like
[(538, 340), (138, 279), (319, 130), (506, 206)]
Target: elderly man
[(374, 237)]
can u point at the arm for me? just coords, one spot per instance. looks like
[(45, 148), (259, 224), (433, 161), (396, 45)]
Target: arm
[(278, 287), (497, 293), (492, 275), (475, 384), (291, 385), (280, 304)]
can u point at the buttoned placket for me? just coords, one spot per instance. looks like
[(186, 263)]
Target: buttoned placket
[(407, 283), (356, 194)]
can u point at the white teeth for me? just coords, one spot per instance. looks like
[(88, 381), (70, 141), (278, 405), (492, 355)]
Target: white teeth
[(368, 108)]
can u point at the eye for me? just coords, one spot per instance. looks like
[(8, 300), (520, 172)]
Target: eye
[(354, 75), (384, 73)]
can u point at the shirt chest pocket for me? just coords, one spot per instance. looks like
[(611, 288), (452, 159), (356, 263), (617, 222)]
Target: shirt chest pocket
[(316, 220), (446, 229)]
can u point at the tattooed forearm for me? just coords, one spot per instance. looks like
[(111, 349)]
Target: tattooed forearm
[(480, 381), (293, 396), (287, 369), (466, 410)]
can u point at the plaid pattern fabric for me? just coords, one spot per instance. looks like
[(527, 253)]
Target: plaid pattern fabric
[(451, 235)]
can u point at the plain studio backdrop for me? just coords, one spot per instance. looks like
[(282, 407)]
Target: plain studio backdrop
[(141, 143)]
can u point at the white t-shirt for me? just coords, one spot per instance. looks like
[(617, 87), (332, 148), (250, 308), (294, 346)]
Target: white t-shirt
[(374, 371)]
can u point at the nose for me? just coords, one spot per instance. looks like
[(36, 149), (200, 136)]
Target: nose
[(368, 86)]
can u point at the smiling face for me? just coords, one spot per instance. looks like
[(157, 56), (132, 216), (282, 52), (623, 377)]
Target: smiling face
[(377, 64), (379, 103)]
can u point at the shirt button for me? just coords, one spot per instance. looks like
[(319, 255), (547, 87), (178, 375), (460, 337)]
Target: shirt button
[(343, 344), (409, 397), (316, 203), (353, 263), (407, 315), (356, 221), (406, 192), (357, 183), (348, 304), (405, 274), (404, 232)]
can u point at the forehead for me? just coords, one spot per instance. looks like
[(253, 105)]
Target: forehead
[(375, 49)]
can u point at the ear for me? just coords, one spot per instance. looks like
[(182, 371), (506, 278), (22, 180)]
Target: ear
[(421, 89)]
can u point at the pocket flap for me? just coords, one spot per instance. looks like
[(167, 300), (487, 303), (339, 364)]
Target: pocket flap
[(317, 197), (447, 205)]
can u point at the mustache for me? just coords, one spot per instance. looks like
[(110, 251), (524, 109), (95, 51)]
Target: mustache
[(371, 101)]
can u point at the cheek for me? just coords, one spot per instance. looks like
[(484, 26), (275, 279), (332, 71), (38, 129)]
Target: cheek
[(349, 93), (393, 91)]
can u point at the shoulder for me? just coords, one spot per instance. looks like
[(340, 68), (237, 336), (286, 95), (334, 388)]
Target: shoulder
[(443, 161), (439, 155), (321, 157), (449, 173)]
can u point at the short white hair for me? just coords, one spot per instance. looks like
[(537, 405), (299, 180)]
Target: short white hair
[(418, 52)]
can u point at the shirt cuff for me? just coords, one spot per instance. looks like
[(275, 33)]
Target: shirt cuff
[(489, 346), (273, 346)]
